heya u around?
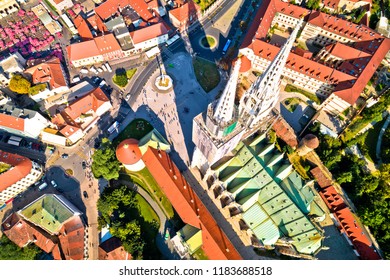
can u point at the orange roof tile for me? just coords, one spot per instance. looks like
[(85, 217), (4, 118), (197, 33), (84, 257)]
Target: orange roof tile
[(111, 7), (285, 132), (149, 32), (50, 72), (186, 11), (188, 205), (345, 52), (82, 27), (356, 234), (21, 168), (82, 50), (72, 239), (246, 64), (128, 151), (107, 44), (11, 122), (332, 198), (301, 64)]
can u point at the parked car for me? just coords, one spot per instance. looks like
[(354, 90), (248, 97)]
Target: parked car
[(127, 97), (104, 67), (84, 71), (108, 67), (76, 79), (93, 69), (54, 183), (64, 155), (84, 165), (100, 70), (85, 194)]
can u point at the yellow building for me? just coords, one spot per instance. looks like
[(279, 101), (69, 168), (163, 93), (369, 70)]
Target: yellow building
[(8, 7)]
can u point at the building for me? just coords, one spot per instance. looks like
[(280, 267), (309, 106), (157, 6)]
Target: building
[(53, 224), (11, 64), (51, 25), (217, 131), (307, 144), (82, 28), (98, 50), (383, 26), (189, 206), (61, 5), (341, 78), (8, 7), (51, 74), (185, 15), (75, 120), (149, 36), (17, 174), (187, 241), (23, 122), (266, 198), (119, 28), (346, 5), (112, 249)]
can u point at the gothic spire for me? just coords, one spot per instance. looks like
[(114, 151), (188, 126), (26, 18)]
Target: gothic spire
[(259, 100), (224, 109)]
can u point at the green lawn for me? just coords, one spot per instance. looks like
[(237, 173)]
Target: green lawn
[(311, 96), (145, 180), (137, 129), (146, 210), (130, 73), (291, 104), (200, 254), (372, 138), (206, 73)]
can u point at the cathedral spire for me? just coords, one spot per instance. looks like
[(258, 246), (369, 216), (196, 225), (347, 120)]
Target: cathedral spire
[(224, 109), (257, 103)]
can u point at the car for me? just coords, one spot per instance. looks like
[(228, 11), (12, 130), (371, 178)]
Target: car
[(76, 79), (108, 67), (104, 67), (85, 194), (84, 71), (100, 70), (96, 80), (127, 97), (64, 155), (84, 165), (54, 183)]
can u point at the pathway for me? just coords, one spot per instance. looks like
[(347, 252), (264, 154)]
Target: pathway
[(161, 243), (379, 143)]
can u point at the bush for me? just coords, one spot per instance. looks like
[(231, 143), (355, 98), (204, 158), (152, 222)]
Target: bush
[(120, 79), (36, 89), (19, 84)]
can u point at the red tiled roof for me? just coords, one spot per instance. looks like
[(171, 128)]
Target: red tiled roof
[(128, 151), (185, 12), (82, 27), (332, 198), (49, 71), (300, 64), (107, 44), (22, 233), (321, 177), (285, 132), (111, 7), (72, 239), (11, 122), (333, 4), (345, 52), (188, 205), (303, 53), (112, 249), (82, 50), (21, 167), (356, 234), (246, 64), (149, 32)]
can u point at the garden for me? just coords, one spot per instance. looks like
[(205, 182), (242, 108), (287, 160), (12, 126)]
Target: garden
[(206, 73)]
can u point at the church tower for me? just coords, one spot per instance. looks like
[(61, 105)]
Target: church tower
[(256, 104), (217, 131)]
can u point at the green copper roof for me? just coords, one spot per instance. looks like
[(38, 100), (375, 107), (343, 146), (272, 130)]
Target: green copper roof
[(192, 236), (49, 212), (273, 197), (155, 140)]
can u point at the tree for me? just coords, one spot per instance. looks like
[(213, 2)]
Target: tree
[(10, 251), (313, 4), (19, 84), (104, 162)]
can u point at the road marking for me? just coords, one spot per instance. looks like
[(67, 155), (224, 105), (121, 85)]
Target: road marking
[(81, 155)]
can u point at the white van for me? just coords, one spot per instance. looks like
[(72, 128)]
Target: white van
[(84, 70), (42, 186), (76, 79), (104, 67), (108, 67)]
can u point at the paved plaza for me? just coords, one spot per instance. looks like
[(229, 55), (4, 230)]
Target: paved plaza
[(171, 113)]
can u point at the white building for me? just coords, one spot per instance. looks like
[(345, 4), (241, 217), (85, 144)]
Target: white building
[(149, 36), (11, 64), (22, 173), (8, 7), (22, 122), (61, 5)]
